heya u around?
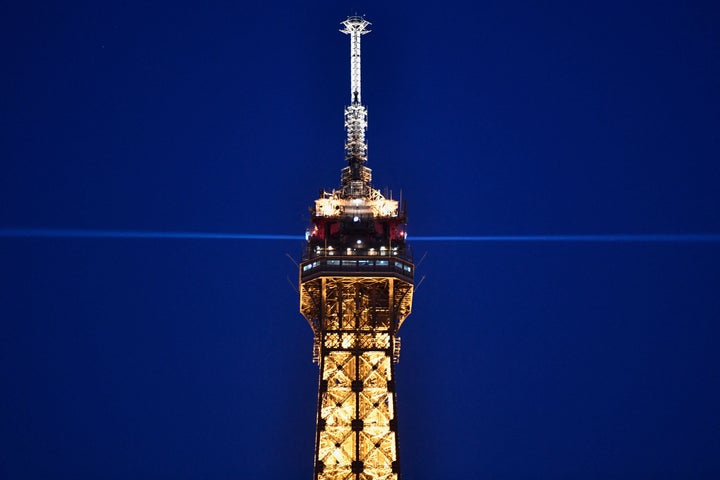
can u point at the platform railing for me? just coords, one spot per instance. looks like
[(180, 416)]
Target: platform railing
[(356, 265)]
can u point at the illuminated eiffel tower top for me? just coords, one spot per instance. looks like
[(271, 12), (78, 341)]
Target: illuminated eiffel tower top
[(356, 194), (356, 289)]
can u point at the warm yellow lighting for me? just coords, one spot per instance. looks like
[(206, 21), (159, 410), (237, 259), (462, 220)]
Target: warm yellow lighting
[(384, 207), (356, 355), (328, 207)]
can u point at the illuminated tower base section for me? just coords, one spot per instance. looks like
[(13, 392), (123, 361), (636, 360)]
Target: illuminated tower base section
[(355, 320)]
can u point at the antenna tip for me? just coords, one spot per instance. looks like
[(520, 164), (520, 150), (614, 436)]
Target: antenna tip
[(355, 24)]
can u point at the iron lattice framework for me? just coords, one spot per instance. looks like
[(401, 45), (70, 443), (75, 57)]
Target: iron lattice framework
[(356, 288)]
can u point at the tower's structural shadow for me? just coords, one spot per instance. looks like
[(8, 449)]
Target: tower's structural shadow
[(356, 288)]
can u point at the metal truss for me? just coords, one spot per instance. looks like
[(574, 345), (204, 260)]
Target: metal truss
[(356, 436), (355, 322)]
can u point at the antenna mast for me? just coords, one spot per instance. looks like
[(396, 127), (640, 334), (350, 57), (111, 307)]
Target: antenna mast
[(355, 27), (355, 177)]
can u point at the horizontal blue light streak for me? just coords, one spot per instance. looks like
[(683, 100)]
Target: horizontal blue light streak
[(51, 233), (652, 237), (78, 233)]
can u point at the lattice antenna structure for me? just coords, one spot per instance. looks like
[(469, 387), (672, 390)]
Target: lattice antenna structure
[(355, 27), (356, 288), (355, 177)]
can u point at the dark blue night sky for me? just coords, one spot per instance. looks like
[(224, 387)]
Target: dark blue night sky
[(188, 358)]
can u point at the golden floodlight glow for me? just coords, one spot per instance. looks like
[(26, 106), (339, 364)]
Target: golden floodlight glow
[(356, 289)]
